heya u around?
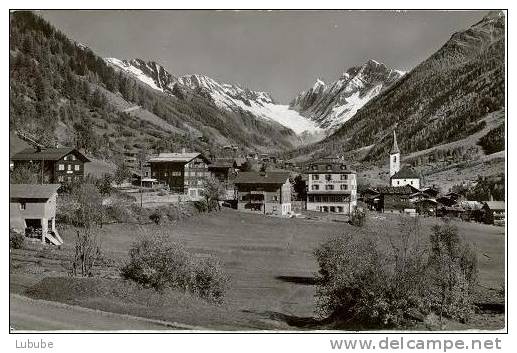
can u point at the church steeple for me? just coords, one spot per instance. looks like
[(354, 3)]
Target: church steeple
[(395, 147), (394, 156)]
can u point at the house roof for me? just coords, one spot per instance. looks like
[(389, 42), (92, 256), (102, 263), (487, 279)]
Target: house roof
[(327, 165), (240, 161), (433, 201), (32, 191), (430, 190), (222, 163), (406, 173), (471, 205), (396, 190), (48, 154), (395, 147), (262, 178), (495, 205), (175, 157)]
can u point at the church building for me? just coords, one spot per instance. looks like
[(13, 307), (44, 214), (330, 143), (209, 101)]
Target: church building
[(404, 176)]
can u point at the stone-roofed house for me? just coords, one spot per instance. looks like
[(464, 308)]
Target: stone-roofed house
[(183, 172), (223, 168), (54, 165), (396, 199), (32, 211), (264, 192), (495, 211)]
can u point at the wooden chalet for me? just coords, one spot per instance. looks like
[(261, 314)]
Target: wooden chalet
[(264, 192), (495, 212), (396, 199), (183, 172), (52, 165)]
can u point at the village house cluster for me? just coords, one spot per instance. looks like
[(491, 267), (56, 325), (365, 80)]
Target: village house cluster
[(330, 184)]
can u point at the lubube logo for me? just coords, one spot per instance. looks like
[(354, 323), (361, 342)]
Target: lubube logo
[(34, 344)]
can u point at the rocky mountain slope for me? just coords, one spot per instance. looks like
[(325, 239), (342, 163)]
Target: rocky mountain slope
[(229, 97), (329, 106), (62, 92), (444, 99)]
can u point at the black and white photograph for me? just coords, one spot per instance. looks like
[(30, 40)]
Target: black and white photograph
[(260, 171)]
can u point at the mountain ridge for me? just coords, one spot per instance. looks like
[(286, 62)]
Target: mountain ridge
[(331, 105), (227, 96)]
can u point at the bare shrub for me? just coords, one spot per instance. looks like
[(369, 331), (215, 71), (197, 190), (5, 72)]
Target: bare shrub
[(87, 216), (358, 217), (16, 240), (452, 272), (87, 252)]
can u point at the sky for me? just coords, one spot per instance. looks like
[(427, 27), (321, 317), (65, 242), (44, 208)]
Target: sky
[(281, 52)]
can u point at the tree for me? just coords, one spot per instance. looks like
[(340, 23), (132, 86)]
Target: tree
[(25, 174), (122, 173), (300, 187), (213, 192), (88, 216), (453, 273), (104, 184)]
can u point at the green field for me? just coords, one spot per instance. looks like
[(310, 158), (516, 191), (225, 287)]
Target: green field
[(270, 262)]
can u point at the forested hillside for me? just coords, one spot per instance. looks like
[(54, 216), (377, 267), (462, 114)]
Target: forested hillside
[(62, 92), (443, 99)]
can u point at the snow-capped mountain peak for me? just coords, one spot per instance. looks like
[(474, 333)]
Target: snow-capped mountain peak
[(330, 105), (227, 96)]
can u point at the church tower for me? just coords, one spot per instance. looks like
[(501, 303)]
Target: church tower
[(394, 156)]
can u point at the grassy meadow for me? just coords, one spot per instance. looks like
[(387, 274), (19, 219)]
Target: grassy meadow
[(270, 261)]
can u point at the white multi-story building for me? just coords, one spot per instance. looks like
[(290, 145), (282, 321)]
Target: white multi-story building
[(332, 186)]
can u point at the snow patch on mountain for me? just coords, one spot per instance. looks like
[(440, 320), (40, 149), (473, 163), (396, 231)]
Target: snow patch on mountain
[(330, 106), (231, 97)]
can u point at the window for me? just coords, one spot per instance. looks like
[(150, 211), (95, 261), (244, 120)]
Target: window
[(73, 157), (329, 187), (60, 178), (275, 198), (77, 167), (154, 174), (274, 208), (200, 182), (315, 177), (344, 187), (165, 174), (328, 177), (315, 187), (344, 176), (23, 205), (398, 182), (340, 209), (61, 167), (343, 166), (69, 167), (329, 166), (66, 158), (314, 167), (394, 159), (411, 182), (332, 209)]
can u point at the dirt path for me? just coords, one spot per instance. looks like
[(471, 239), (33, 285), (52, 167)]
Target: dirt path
[(31, 314)]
